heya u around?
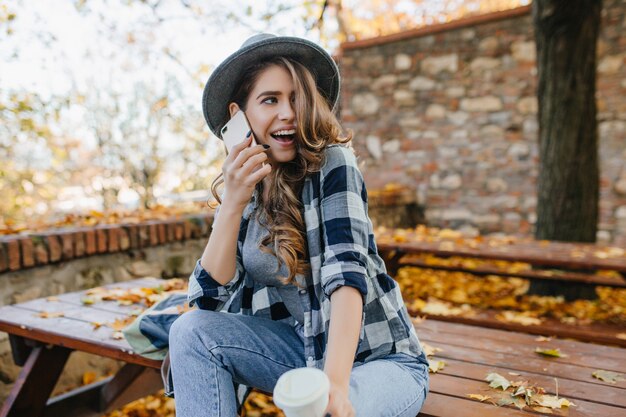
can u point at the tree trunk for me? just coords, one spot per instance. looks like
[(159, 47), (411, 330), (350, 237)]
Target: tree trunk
[(566, 33)]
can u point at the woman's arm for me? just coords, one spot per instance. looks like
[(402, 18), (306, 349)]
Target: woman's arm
[(219, 257), (346, 307)]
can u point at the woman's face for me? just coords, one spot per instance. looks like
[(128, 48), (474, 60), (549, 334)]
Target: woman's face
[(270, 112)]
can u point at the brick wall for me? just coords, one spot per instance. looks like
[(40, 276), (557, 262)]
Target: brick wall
[(450, 112), (18, 252)]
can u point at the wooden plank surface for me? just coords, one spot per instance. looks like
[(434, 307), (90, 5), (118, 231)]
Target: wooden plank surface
[(457, 330), (595, 333), (551, 275), (460, 387), (471, 353), (553, 254), (77, 328)]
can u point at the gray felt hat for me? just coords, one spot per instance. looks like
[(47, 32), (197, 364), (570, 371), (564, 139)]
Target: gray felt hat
[(223, 82)]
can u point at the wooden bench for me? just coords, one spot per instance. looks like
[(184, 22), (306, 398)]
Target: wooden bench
[(42, 345), (563, 258), (576, 264)]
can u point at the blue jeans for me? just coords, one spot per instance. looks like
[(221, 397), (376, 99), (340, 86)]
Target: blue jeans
[(211, 350)]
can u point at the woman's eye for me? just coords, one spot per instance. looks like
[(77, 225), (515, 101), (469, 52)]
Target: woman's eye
[(269, 100)]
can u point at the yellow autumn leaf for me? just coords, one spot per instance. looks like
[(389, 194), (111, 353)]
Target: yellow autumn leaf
[(479, 397), (523, 318), (430, 350), (554, 353), (89, 377), (436, 366), (51, 315)]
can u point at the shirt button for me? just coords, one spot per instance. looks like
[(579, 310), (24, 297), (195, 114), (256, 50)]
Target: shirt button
[(310, 359), (302, 292)]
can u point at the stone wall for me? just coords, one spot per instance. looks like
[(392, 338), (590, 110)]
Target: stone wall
[(42, 265), (450, 112)]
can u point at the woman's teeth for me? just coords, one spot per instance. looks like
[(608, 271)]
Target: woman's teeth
[(284, 135)]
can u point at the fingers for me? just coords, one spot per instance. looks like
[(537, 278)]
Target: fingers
[(253, 163), (247, 153), (259, 174), (236, 150)]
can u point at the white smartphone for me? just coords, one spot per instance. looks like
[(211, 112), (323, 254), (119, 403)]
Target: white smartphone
[(235, 131)]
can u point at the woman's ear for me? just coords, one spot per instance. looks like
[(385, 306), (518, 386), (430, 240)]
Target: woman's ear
[(233, 108)]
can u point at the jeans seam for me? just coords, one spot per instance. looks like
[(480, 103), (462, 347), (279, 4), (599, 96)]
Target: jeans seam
[(251, 351), (416, 398)]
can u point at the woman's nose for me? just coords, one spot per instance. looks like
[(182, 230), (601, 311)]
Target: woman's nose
[(286, 111)]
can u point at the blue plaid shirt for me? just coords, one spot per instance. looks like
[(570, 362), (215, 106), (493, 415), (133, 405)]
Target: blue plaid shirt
[(342, 251)]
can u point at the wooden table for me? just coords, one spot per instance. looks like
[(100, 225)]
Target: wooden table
[(42, 346)]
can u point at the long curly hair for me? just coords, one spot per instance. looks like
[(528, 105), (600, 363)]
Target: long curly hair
[(316, 128)]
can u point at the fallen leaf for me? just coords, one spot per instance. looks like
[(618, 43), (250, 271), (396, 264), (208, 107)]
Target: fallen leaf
[(505, 401), (121, 324), (51, 315), (117, 335), (608, 376), (96, 324), (543, 339), (479, 397), (87, 300), (89, 377), (430, 350), (554, 353), (552, 401), (498, 381), (520, 318), (436, 366)]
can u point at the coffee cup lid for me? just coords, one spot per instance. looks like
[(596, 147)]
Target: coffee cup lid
[(300, 386)]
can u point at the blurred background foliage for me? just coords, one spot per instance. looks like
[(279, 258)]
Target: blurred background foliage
[(100, 100)]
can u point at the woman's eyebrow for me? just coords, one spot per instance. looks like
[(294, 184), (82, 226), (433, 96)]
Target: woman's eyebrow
[(269, 93)]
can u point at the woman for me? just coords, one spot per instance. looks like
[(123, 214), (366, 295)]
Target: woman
[(292, 253)]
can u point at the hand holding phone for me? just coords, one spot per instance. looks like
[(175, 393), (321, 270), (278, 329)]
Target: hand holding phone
[(236, 130)]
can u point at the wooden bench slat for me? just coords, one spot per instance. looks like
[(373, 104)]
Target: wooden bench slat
[(572, 356), (440, 405), (464, 330), (560, 276), (596, 333), (610, 395), (556, 255), (69, 332), (541, 366), (460, 387)]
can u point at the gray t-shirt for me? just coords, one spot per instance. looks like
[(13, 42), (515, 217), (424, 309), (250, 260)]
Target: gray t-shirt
[(263, 268)]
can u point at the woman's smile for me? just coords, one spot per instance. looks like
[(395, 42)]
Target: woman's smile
[(270, 111)]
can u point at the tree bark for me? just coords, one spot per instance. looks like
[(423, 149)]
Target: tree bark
[(566, 33)]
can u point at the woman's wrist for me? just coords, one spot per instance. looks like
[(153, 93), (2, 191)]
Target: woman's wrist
[(342, 386), (231, 207)]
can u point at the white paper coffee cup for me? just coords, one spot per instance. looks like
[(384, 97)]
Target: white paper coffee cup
[(302, 392)]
